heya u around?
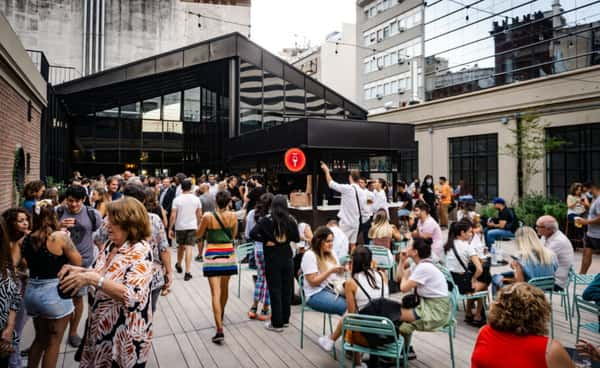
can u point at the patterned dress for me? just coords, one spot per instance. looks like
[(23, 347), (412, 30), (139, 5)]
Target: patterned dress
[(10, 300), (120, 335), (219, 256)]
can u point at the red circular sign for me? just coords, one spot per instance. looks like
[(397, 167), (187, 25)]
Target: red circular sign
[(295, 160)]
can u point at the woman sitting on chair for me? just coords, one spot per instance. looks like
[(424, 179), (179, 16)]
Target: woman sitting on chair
[(461, 259), (365, 284), (323, 281), (533, 260), (433, 310), (382, 232)]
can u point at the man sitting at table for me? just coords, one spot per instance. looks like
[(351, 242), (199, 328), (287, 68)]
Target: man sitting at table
[(502, 226)]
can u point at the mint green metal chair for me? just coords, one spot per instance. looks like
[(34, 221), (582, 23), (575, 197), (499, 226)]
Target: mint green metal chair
[(449, 328), (464, 297), (241, 252), (547, 285), (305, 307), (565, 300), (376, 325), (579, 279), (381, 256), (588, 306)]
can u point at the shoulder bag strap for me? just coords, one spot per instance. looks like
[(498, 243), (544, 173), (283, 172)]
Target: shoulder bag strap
[(362, 288), (225, 230), (358, 204), (462, 264)]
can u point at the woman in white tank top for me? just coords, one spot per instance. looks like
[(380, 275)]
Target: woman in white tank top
[(371, 280)]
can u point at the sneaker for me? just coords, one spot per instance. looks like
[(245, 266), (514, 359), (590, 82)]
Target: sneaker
[(199, 258), (477, 323), (252, 313), (265, 316), (218, 338), (74, 341), (326, 343), (411, 353), (178, 268), (187, 277), (270, 327)]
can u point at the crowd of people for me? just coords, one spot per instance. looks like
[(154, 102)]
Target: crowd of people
[(106, 241)]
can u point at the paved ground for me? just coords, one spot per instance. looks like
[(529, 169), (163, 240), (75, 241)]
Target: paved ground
[(183, 326)]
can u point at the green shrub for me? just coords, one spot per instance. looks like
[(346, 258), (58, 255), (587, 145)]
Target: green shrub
[(488, 211), (532, 206)]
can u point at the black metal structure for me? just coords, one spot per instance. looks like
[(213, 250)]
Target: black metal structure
[(221, 104)]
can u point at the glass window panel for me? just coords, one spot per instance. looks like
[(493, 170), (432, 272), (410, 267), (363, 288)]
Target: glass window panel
[(315, 105), (251, 86), (191, 104), (273, 92), (151, 108), (272, 118), (109, 113), (172, 106), (132, 111), (294, 100), (250, 119), (209, 105)]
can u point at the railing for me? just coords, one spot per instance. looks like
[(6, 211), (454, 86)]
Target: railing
[(53, 74)]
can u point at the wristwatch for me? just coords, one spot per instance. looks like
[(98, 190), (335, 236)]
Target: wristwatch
[(100, 283)]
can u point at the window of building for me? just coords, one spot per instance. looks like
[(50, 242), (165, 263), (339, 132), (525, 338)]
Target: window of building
[(408, 166), (576, 161), (474, 159)]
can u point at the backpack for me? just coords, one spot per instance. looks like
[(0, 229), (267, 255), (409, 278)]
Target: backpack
[(60, 211), (382, 307)]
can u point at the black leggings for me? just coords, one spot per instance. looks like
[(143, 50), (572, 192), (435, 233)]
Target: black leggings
[(279, 271)]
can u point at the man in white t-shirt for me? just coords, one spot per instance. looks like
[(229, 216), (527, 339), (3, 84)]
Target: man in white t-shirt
[(353, 197), (186, 214), (429, 283), (340, 240)]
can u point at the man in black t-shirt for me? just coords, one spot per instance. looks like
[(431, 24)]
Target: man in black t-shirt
[(502, 226), (255, 190)]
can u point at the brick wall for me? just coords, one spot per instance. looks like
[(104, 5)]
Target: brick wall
[(15, 130)]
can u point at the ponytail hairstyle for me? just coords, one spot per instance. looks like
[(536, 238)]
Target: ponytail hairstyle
[(45, 222), (455, 230), (361, 262)]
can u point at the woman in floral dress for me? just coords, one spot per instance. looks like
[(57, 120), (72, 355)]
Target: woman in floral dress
[(119, 326)]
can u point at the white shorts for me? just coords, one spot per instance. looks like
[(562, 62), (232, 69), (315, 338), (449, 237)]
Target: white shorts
[(351, 232)]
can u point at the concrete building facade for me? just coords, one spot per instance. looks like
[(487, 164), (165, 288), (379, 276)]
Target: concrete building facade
[(489, 66), (333, 63), (390, 40), (560, 101), (93, 35), (22, 100)]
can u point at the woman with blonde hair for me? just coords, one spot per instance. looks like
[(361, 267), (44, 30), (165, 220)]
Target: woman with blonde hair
[(100, 198), (382, 232), (533, 260)]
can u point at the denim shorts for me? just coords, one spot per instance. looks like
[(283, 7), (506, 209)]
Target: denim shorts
[(42, 300), (327, 302)]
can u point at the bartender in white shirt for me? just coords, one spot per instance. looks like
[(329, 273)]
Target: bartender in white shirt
[(352, 197), (380, 197)]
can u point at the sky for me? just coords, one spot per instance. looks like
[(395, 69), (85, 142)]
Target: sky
[(277, 24)]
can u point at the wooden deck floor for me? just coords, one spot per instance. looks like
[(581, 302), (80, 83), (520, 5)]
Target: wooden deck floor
[(183, 326)]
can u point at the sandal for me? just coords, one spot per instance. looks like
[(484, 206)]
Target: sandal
[(165, 292), (252, 313)]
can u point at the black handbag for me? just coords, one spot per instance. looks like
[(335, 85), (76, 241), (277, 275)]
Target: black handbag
[(462, 280), (381, 307)]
